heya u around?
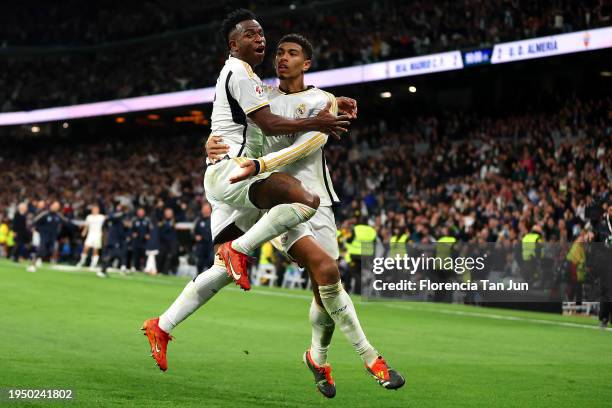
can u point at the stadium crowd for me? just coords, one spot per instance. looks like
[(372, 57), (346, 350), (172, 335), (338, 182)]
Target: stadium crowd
[(477, 179), (372, 31)]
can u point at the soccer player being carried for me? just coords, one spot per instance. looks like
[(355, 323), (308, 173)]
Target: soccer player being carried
[(302, 156), (92, 231), (330, 296)]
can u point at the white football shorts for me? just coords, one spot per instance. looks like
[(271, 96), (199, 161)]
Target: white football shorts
[(322, 227)]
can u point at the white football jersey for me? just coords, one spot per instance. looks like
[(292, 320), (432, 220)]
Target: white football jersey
[(94, 224), (238, 92), (311, 169)]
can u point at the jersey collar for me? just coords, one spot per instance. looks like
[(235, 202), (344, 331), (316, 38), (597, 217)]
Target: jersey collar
[(281, 90)]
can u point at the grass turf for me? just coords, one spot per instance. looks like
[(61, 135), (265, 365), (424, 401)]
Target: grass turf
[(74, 330)]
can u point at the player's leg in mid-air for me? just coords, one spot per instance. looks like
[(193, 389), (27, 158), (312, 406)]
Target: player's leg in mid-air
[(289, 204), (333, 302), (199, 290)]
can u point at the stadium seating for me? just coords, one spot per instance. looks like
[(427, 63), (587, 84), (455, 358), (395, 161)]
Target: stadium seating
[(119, 63)]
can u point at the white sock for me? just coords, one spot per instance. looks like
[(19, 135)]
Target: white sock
[(279, 219), (322, 331), (94, 260), (341, 309), (82, 261), (196, 293)]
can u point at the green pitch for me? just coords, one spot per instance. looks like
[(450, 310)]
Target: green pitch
[(74, 330)]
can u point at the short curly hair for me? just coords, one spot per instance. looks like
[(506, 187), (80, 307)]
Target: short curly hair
[(299, 39), (232, 19)]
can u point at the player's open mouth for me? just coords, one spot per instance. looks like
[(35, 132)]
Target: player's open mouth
[(260, 49), (282, 68)]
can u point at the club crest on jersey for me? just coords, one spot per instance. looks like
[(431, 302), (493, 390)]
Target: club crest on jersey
[(259, 90), (300, 110)]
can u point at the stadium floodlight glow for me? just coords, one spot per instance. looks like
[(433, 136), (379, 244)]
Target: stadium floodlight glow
[(412, 89), (65, 125), (386, 94), (35, 129), (605, 73), (541, 47)]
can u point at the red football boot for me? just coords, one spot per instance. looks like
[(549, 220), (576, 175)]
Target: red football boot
[(322, 376), (158, 340), (385, 375), (236, 265)]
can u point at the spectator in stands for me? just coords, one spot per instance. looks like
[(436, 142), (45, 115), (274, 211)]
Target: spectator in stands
[(175, 61), (48, 224), (202, 235), (168, 243), (22, 235), (116, 241), (140, 234)]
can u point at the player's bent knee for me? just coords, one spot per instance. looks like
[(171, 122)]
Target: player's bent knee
[(304, 212), (313, 200)]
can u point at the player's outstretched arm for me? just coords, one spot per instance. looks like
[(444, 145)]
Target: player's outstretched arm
[(303, 146), (324, 121)]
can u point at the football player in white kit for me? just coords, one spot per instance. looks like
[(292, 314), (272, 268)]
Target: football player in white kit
[(302, 154), (92, 230), (241, 112)]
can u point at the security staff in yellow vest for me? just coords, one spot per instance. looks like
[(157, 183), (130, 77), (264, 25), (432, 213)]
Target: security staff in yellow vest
[(361, 242), (531, 253), (4, 232), (445, 248), (576, 259), (397, 243), (10, 242)]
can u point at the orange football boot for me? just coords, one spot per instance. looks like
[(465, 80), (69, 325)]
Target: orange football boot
[(158, 340), (385, 375), (322, 376), (236, 265)]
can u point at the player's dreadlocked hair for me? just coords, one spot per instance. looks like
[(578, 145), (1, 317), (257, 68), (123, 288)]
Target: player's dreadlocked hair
[(298, 39), (232, 19)]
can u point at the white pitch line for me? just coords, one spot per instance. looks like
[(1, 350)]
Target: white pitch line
[(71, 269), (501, 317)]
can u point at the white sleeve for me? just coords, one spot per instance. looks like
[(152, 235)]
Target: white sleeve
[(324, 100), (303, 146), (248, 91)]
